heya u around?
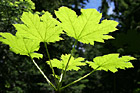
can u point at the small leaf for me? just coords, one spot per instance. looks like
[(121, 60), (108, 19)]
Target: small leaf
[(85, 28), (32, 4), (21, 46), (73, 64), (111, 62), (43, 29)]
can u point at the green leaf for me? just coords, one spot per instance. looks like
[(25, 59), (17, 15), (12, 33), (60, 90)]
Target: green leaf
[(73, 64), (111, 62), (43, 29), (1, 38), (21, 46), (32, 5), (85, 28)]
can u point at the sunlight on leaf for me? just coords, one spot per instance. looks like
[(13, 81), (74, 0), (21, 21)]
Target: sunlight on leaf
[(73, 64), (85, 28), (21, 46), (43, 29), (111, 62)]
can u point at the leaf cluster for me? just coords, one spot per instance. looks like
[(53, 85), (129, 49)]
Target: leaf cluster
[(85, 28)]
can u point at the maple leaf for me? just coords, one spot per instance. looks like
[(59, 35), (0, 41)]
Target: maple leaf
[(43, 29), (73, 64), (21, 46), (111, 62), (85, 28)]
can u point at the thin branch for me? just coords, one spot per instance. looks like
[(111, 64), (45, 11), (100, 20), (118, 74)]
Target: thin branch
[(43, 74), (78, 79), (50, 61), (64, 71)]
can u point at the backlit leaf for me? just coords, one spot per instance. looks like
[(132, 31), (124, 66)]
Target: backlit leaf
[(111, 62), (43, 29), (73, 64), (21, 46), (85, 28)]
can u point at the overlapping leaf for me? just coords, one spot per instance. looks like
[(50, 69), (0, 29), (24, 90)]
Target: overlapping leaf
[(111, 62), (43, 29), (21, 46), (73, 64), (85, 28)]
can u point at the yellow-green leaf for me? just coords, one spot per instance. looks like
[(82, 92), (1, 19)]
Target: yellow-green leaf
[(86, 27), (43, 29), (111, 62), (21, 46), (73, 64)]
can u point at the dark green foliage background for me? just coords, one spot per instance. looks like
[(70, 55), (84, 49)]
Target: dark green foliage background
[(19, 75)]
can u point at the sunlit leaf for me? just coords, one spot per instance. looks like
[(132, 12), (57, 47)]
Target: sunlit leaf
[(111, 62), (43, 29), (73, 64), (86, 27), (21, 46)]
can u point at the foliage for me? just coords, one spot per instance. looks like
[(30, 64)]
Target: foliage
[(85, 28), (21, 46), (73, 64), (51, 5), (111, 62), (126, 12), (11, 11), (136, 90), (47, 29), (126, 42), (19, 68), (42, 28), (16, 71)]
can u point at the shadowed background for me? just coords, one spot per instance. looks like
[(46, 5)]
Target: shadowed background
[(19, 75)]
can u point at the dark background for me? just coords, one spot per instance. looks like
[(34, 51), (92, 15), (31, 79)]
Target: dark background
[(19, 75)]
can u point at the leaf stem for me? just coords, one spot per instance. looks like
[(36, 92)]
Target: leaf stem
[(64, 71), (50, 61), (78, 79), (43, 73)]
